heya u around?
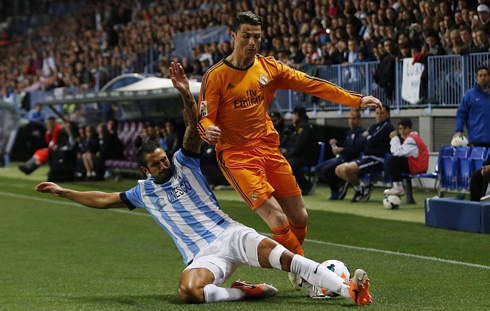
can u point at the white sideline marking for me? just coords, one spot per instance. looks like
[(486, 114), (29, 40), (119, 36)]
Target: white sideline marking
[(374, 250)]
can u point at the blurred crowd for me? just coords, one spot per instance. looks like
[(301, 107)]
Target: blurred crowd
[(105, 39)]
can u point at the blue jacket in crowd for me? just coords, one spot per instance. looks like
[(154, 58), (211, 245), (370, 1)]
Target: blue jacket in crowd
[(474, 111)]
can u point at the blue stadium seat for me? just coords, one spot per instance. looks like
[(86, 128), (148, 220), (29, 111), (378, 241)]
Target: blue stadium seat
[(452, 177), (478, 156)]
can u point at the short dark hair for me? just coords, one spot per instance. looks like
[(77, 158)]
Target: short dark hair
[(405, 122), (386, 107), (301, 111), (357, 112), (482, 68), (249, 18), (145, 146)]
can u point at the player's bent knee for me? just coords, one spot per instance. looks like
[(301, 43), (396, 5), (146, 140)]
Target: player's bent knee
[(339, 171), (191, 294), (275, 257)]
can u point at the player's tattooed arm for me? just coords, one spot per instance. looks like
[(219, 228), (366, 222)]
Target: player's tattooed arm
[(192, 141)]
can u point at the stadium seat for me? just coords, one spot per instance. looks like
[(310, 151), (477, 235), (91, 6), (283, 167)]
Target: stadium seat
[(478, 155), (451, 174)]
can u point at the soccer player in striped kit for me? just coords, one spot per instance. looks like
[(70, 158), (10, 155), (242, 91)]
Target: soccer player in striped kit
[(211, 243)]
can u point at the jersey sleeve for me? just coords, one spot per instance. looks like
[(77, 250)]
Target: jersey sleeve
[(290, 78), (132, 198), (209, 99), (189, 159)]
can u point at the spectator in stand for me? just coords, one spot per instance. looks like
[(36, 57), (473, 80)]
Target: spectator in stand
[(474, 112), (466, 38), (385, 73), (352, 147), (91, 147), (484, 16), (482, 36), (456, 42), (40, 157), (301, 148), (409, 155), (377, 145), (479, 189)]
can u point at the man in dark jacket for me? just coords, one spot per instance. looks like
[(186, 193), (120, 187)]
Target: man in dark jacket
[(301, 148), (377, 145), (385, 74), (351, 148)]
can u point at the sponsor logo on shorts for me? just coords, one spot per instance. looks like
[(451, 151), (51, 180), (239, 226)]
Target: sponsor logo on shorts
[(254, 196)]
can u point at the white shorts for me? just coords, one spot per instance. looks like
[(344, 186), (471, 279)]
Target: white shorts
[(236, 246)]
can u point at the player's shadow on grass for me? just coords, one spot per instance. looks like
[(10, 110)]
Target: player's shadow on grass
[(129, 300)]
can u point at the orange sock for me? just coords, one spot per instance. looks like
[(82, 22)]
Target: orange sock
[(299, 231), (283, 235)]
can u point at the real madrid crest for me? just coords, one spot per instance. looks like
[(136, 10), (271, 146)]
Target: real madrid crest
[(254, 196), (263, 79)]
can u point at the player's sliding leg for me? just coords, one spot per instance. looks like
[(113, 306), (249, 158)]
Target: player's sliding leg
[(276, 256), (196, 286)]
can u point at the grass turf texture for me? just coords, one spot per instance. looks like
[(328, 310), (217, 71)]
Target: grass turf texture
[(59, 256)]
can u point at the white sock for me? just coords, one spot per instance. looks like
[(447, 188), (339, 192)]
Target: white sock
[(358, 188), (213, 293), (319, 275)]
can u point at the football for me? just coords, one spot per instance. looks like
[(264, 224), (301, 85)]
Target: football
[(459, 141), (340, 269), (392, 201)]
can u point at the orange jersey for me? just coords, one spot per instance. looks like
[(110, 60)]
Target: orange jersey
[(236, 100)]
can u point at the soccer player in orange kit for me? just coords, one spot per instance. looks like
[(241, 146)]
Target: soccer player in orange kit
[(235, 96)]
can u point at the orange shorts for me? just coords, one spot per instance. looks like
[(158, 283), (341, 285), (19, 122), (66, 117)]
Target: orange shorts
[(257, 172)]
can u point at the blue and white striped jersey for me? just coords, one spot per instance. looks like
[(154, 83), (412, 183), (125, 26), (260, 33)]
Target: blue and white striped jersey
[(184, 206)]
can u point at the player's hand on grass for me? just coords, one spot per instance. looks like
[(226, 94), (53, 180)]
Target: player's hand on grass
[(370, 102), (213, 132), (49, 187)]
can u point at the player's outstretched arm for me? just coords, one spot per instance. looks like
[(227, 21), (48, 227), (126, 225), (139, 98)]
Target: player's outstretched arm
[(94, 199), (192, 141), (370, 102)]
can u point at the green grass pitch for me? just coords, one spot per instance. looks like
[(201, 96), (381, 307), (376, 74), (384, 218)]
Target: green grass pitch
[(57, 255)]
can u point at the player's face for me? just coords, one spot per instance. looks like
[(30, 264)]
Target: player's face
[(354, 120), (404, 131), (482, 78), (247, 40), (381, 114), (158, 166)]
